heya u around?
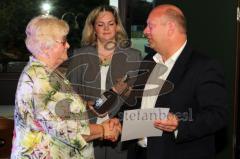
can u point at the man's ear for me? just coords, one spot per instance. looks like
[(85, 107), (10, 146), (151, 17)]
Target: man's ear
[(171, 27)]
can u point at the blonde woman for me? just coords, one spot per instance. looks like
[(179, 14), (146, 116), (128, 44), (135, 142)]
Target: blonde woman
[(105, 57)]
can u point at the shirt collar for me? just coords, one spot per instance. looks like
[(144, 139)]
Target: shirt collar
[(36, 61), (158, 57)]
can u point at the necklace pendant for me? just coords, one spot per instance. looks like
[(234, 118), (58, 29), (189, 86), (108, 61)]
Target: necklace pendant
[(105, 62)]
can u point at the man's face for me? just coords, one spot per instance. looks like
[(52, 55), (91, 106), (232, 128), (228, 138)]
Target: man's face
[(156, 31)]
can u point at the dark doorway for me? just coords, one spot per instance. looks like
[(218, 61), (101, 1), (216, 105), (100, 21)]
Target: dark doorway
[(237, 91)]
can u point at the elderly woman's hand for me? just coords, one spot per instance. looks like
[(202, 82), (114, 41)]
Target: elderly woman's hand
[(112, 129)]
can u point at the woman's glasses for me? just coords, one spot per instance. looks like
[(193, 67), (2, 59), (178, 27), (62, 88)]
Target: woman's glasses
[(63, 42)]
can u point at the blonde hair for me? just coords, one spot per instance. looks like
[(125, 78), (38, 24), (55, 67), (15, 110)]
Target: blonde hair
[(88, 35), (41, 32)]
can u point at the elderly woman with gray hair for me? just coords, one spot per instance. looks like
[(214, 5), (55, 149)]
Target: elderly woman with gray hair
[(49, 116)]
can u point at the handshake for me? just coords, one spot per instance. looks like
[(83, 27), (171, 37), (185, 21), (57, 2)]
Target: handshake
[(111, 129)]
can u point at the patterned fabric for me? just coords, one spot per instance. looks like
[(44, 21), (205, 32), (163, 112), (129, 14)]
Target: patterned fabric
[(49, 117)]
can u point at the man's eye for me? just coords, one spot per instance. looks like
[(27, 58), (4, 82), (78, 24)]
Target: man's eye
[(150, 26)]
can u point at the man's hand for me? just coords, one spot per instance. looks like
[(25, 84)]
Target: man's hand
[(170, 124), (112, 129)]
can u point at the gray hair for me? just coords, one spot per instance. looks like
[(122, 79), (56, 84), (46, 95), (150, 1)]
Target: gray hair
[(41, 32)]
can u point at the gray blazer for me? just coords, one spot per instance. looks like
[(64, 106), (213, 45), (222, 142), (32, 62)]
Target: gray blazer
[(84, 71)]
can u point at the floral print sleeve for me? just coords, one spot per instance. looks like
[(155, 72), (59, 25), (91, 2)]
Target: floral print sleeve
[(49, 117)]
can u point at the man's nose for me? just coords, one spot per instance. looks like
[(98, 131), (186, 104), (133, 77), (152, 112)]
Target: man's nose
[(146, 31)]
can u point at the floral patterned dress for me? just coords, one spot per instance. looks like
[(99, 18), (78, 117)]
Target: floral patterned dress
[(50, 118)]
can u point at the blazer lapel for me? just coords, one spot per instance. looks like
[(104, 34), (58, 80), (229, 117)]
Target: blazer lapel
[(92, 75), (174, 77), (180, 66)]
